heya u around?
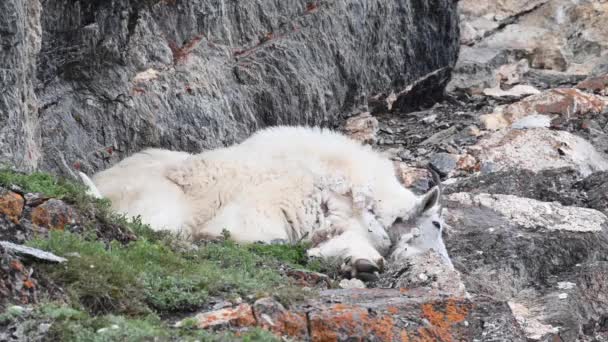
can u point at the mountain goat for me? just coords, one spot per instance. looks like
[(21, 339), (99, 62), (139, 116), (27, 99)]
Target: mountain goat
[(283, 183)]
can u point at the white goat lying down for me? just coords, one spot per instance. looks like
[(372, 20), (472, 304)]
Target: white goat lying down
[(283, 183)]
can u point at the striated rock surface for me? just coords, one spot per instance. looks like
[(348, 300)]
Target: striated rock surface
[(20, 43), (554, 108), (378, 315), (561, 41), (537, 149), (545, 259), (88, 83)]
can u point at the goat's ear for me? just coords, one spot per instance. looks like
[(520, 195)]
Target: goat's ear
[(430, 199)]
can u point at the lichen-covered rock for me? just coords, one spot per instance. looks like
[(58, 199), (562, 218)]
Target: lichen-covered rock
[(273, 316), (536, 150), (53, 214), (408, 315), (114, 77), (11, 205), (362, 127), (556, 106), (528, 252), (16, 282), (238, 316)]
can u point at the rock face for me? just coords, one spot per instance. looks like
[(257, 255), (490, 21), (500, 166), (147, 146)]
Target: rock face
[(537, 149), (561, 41), (543, 258), (20, 44), (376, 315), (113, 77)]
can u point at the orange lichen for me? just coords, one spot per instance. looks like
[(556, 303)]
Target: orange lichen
[(442, 322), (239, 316), (352, 320), (287, 324), (393, 310), (28, 284), (41, 217), (16, 265), (382, 327), (11, 205)]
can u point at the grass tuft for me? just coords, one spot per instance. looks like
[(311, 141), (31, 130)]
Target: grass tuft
[(130, 282)]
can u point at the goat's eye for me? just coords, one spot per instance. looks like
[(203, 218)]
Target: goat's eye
[(437, 224)]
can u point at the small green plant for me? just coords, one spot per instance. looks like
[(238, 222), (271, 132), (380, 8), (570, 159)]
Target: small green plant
[(146, 276), (40, 183), (130, 283), (68, 324), (11, 313)]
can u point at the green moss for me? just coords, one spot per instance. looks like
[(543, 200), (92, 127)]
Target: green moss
[(42, 183), (146, 276), (11, 313), (68, 324), (294, 255), (112, 281)]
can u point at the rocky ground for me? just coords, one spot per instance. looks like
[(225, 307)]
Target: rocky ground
[(521, 144)]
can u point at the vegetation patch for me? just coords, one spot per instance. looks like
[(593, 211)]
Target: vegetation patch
[(42, 183), (146, 276), (55, 322), (121, 273)]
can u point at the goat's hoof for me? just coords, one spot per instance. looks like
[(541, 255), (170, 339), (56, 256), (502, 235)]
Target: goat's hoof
[(365, 266), (363, 269)]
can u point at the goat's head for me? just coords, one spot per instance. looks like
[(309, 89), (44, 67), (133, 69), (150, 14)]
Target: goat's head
[(424, 229)]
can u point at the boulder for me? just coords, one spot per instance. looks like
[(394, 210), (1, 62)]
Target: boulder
[(545, 259), (88, 85), (555, 107), (535, 150), (362, 127), (563, 41)]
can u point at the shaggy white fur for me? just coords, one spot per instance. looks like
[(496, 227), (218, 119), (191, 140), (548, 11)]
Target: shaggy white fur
[(137, 186), (283, 183)]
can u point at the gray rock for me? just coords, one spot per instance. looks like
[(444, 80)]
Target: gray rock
[(114, 77), (528, 252), (19, 47), (444, 163), (596, 188), (537, 149), (409, 314), (426, 270), (547, 185), (563, 40), (31, 252)]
